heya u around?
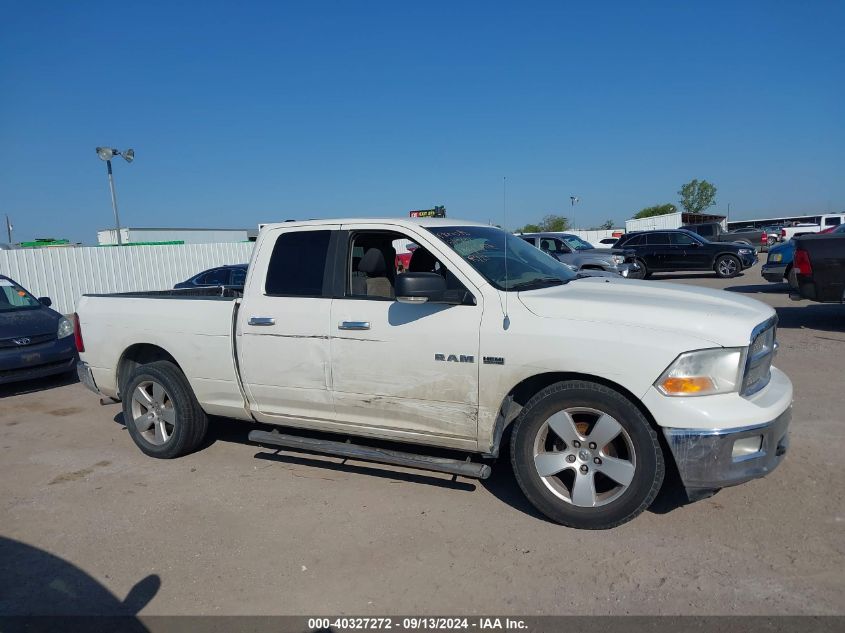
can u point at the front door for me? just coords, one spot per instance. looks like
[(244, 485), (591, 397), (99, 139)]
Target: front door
[(399, 369), (283, 327)]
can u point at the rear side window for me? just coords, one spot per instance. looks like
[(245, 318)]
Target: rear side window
[(832, 221), (707, 230), (216, 277), (298, 264)]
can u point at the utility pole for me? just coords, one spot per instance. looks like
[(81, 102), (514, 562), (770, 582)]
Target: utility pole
[(9, 228)]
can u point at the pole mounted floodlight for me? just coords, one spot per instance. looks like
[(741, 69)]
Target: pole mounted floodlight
[(106, 154), (573, 201)]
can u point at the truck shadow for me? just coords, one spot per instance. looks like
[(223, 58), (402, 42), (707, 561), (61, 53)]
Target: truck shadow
[(767, 288), (34, 582), (38, 384)]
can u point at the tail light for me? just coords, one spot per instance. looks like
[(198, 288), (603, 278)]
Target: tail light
[(802, 263), (764, 238), (77, 334), (783, 232)]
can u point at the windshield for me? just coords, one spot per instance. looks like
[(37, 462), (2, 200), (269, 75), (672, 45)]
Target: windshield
[(576, 243), (13, 297), (483, 248)]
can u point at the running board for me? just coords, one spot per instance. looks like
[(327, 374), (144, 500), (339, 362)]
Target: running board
[(371, 454)]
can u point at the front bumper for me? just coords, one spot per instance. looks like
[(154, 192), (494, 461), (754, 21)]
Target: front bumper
[(707, 459), (748, 260), (37, 361), (774, 272)]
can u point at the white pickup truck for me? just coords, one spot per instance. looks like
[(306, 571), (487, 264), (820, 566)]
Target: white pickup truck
[(600, 382)]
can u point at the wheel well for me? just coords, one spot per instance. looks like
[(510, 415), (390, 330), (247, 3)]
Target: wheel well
[(525, 390), (592, 267), (136, 355)]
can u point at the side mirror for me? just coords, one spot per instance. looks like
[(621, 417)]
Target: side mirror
[(419, 287), (45, 301)]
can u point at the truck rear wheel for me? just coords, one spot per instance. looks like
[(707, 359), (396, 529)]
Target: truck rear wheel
[(585, 456), (161, 412)]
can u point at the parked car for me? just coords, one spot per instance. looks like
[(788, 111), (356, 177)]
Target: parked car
[(35, 341), (681, 250), (819, 268), (232, 276), (772, 233), (827, 221), (485, 334), (779, 262), (580, 255), (713, 232), (607, 242)]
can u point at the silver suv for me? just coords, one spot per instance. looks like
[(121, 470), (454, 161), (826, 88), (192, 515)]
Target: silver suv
[(580, 255)]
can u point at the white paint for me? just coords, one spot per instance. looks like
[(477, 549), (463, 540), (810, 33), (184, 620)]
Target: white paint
[(385, 382)]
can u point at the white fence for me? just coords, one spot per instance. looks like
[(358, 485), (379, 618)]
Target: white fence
[(65, 274), (594, 236)]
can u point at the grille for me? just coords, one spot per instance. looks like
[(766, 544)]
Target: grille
[(33, 340), (758, 362)]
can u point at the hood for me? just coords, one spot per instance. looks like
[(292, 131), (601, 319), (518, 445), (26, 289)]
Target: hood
[(716, 316), (28, 322)]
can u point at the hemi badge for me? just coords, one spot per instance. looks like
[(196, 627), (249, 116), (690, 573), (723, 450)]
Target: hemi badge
[(493, 360)]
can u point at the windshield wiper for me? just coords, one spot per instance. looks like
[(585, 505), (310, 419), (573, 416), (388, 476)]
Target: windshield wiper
[(539, 283)]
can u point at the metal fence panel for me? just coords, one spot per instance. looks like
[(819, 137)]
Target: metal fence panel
[(65, 274)]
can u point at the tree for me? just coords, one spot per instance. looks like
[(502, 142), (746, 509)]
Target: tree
[(550, 222), (607, 225), (697, 195), (554, 223), (658, 209)]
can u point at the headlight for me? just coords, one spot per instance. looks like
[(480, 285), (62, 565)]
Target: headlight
[(65, 327), (746, 251), (703, 373), (618, 259)]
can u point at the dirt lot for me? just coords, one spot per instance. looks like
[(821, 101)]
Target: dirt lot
[(225, 531)]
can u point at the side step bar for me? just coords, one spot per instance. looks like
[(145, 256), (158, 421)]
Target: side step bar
[(371, 454)]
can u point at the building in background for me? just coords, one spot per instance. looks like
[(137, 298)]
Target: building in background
[(130, 235), (672, 221)]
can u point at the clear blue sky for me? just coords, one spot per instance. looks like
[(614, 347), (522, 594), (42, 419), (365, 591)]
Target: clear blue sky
[(244, 112)]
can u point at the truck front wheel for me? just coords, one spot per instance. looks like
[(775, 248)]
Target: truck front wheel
[(161, 412), (585, 456)]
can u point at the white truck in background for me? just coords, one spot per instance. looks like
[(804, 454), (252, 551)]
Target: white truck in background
[(825, 222), (600, 381)]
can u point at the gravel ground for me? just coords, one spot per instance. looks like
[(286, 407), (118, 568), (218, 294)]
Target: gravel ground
[(234, 530)]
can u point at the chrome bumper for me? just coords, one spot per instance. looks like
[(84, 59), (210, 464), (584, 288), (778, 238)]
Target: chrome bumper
[(85, 376), (707, 461)]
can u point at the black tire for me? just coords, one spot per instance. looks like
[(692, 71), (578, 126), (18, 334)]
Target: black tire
[(644, 273), (190, 422), (727, 266), (648, 464)]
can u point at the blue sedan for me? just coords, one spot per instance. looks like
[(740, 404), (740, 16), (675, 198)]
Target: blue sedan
[(35, 340)]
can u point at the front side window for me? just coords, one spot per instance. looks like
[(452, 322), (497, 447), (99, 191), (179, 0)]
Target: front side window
[(553, 245), (657, 239), (576, 243), (14, 297), (832, 221), (681, 239), (504, 260), (238, 277), (298, 264)]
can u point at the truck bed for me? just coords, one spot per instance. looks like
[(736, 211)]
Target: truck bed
[(194, 327)]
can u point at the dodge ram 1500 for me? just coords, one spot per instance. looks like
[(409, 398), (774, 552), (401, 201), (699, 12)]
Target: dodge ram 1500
[(600, 381)]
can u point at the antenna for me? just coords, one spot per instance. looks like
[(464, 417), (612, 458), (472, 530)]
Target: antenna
[(506, 322)]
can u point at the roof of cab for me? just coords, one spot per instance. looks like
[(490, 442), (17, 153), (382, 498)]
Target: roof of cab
[(407, 222)]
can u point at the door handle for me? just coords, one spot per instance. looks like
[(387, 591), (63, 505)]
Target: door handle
[(262, 321), (354, 325)]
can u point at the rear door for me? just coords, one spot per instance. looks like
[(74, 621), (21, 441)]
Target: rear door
[(399, 369), (658, 251), (283, 325)]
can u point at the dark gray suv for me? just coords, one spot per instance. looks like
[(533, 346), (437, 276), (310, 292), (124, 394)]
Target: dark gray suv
[(580, 255)]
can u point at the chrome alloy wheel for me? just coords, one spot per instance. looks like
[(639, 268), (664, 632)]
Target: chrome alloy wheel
[(153, 413), (727, 267), (584, 457)]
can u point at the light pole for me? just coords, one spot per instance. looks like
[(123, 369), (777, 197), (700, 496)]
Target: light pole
[(574, 200), (106, 154)]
